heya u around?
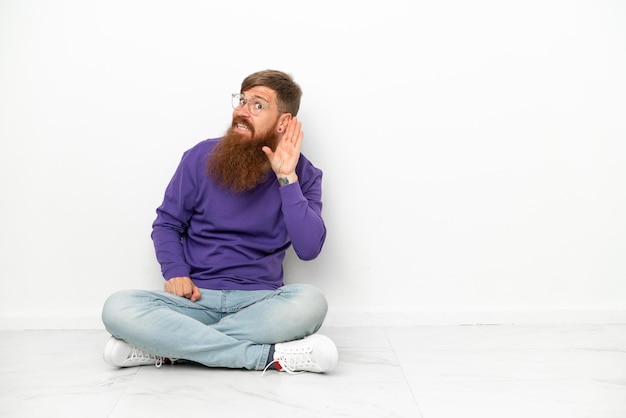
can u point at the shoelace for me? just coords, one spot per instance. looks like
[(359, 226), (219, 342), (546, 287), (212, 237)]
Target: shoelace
[(140, 355), (291, 361), (268, 366)]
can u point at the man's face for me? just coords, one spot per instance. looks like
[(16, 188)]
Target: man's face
[(265, 123)]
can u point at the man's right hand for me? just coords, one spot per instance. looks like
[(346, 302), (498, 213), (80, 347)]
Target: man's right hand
[(182, 286)]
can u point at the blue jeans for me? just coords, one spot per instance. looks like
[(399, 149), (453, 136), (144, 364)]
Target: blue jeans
[(224, 328)]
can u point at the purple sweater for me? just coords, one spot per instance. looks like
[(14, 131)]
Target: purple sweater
[(224, 240)]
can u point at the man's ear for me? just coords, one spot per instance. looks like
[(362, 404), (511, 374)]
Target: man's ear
[(284, 121)]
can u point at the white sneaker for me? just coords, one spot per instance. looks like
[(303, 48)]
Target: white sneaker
[(315, 353), (121, 354)]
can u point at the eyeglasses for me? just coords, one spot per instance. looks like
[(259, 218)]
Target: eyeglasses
[(255, 105)]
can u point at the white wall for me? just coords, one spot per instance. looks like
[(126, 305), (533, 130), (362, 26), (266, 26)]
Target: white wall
[(474, 151)]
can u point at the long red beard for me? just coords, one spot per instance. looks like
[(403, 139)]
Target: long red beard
[(238, 163)]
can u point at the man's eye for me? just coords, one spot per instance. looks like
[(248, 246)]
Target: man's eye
[(258, 105)]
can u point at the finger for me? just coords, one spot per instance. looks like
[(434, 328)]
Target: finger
[(299, 136), (177, 289), (170, 286), (268, 151), (293, 128), (187, 289), (297, 130), (196, 294), (297, 143)]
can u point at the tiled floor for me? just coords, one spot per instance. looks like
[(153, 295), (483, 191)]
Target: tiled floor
[(432, 372)]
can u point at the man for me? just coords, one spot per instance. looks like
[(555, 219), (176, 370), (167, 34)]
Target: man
[(232, 209)]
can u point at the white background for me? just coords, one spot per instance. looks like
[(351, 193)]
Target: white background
[(474, 152)]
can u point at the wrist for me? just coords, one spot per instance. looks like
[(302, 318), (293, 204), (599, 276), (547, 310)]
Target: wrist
[(285, 179)]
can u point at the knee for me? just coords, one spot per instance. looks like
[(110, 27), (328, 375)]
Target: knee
[(115, 310), (318, 300), (310, 302)]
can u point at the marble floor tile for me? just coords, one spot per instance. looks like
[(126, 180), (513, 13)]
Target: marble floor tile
[(493, 398), (617, 330), (178, 390), (57, 374), (567, 371), (508, 364)]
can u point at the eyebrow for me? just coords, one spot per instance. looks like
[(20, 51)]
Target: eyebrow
[(256, 96)]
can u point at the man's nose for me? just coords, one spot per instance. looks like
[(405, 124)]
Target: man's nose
[(242, 110)]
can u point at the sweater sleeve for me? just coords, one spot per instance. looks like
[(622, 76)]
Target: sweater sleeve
[(302, 212), (172, 222)]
